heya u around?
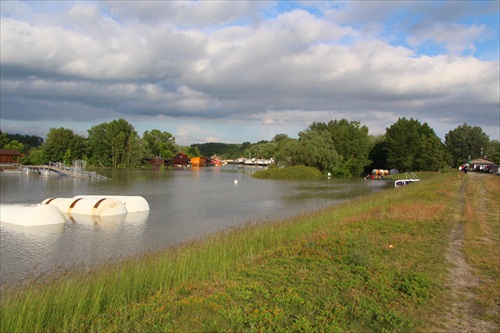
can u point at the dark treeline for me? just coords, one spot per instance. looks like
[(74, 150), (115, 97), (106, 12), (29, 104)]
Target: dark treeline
[(27, 141), (340, 147)]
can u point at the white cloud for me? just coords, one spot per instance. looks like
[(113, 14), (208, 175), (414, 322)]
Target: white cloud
[(456, 38)]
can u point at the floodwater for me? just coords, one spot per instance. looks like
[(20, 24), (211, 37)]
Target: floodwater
[(184, 204)]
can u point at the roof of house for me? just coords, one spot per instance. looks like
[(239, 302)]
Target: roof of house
[(9, 152), (481, 161)]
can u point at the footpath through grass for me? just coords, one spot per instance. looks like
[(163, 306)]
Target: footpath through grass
[(372, 265)]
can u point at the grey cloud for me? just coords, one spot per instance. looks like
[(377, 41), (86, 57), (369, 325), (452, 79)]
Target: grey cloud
[(183, 13)]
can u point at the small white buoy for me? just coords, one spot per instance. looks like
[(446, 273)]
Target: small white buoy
[(236, 181)]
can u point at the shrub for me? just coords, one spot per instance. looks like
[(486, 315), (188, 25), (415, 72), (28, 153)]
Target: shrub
[(290, 173)]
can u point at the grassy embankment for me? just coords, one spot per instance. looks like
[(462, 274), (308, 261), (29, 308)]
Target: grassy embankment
[(375, 264)]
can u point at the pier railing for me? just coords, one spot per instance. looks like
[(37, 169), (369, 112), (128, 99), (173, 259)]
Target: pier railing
[(62, 168)]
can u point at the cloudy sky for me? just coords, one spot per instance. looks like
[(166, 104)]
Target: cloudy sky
[(236, 71)]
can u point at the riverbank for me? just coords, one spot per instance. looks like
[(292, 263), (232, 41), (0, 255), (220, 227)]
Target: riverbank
[(377, 264)]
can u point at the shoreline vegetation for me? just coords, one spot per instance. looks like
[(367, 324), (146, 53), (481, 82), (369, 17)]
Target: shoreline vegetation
[(289, 173), (380, 264)]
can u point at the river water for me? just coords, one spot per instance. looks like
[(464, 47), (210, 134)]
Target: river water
[(184, 204)]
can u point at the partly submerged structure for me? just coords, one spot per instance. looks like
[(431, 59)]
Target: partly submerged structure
[(61, 169), (410, 178), (93, 208)]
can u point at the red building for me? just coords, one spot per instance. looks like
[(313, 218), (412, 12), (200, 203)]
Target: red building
[(9, 156), (181, 160), (157, 161)]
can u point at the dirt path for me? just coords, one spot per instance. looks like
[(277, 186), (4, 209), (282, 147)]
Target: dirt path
[(462, 315)]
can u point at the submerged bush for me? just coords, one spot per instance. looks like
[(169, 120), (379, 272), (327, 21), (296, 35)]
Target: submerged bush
[(293, 172)]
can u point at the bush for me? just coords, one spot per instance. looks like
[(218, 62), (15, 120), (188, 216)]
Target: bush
[(290, 173)]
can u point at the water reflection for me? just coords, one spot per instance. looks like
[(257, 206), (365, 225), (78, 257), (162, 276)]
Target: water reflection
[(184, 204)]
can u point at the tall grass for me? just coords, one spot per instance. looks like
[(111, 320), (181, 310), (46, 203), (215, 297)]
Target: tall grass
[(364, 265)]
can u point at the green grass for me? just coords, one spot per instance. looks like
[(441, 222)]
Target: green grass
[(289, 173), (367, 265)]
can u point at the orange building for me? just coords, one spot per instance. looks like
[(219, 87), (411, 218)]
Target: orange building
[(198, 162)]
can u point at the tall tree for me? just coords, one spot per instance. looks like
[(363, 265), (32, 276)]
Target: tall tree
[(14, 144), (3, 139), (262, 150), (59, 140), (377, 154), (99, 147), (191, 151), (222, 150), (493, 151), (351, 142), (313, 148), (158, 143), (466, 142), (36, 156), (412, 146), (115, 143)]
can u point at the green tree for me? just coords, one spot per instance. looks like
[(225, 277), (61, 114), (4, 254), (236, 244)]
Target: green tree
[(244, 146), (28, 141), (351, 142), (3, 140), (158, 143), (59, 140), (115, 144), (192, 152), (466, 142), (313, 148), (412, 146), (493, 151), (36, 156), (280, 140), (222, 150), (67, 157), (265, 150), (377, 154), (136, 148), (14, 144), (98, 145)]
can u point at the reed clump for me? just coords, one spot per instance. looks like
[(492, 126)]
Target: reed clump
[(366, 265)]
